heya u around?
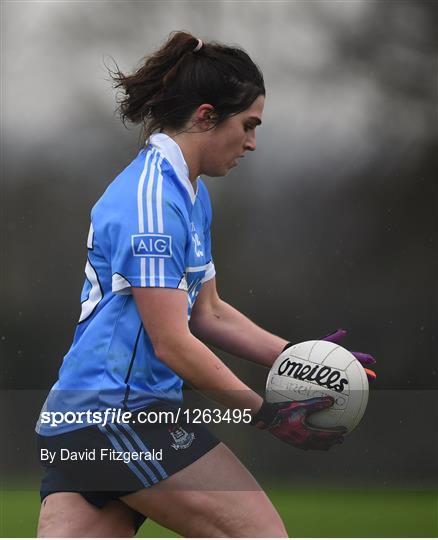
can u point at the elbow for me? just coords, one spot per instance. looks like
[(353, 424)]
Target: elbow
[(163, 351), (167, 348), (206, 311)]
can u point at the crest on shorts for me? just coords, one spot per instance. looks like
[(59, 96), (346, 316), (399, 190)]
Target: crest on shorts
[(181, 439)]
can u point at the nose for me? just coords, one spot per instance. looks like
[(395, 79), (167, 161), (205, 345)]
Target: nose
[(250, 143)]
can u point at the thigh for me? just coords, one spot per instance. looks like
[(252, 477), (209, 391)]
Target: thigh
[(214, 496), (70, 515)]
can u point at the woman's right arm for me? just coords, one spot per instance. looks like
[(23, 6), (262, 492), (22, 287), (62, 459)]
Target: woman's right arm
[(164, 315), (163, 312)]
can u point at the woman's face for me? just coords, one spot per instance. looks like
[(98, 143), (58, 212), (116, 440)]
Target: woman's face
[(231, 139)]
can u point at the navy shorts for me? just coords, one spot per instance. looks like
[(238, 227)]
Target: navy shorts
[(105, 463)]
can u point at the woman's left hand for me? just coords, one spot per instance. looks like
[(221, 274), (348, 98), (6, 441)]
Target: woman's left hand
[(364, 358)]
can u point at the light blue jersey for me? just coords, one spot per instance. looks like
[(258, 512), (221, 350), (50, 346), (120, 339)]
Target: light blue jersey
[(149, 229)]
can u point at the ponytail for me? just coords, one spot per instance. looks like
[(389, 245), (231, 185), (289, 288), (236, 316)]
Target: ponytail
[(181, 75)]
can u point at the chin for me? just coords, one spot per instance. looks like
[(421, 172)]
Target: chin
[(218, 174)]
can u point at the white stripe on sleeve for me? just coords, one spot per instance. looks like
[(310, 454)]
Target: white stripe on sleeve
[(149, 188), (140, 193), (160, 199), (143, 272), (161, 271), (160, 223), (152, 272), (210, 272)]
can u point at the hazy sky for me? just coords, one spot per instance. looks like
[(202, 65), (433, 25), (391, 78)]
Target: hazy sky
[(322, 99)]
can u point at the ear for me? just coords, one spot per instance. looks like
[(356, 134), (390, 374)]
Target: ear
[(205, 116)]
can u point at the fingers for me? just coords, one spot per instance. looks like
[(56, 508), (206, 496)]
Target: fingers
[(293, 430), (317, 404), (370, 374), (364, 358), (335, 337)]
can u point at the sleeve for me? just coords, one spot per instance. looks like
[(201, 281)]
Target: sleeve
[(150, 253), (210, 270)]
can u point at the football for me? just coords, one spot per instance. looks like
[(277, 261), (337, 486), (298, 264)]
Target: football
[(320, 368)]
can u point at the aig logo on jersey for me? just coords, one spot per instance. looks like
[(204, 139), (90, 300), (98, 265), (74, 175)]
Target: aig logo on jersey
[(151, 245)]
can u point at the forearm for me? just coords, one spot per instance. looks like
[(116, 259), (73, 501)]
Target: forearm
[(226, 328), (204, 371)]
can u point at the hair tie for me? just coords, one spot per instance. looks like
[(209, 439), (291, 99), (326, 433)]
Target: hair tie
[(198, 46)]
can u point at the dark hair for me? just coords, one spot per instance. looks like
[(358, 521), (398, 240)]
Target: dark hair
[(173, 81)]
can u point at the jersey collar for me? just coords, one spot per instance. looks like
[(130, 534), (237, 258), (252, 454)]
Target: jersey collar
[(172, 152)]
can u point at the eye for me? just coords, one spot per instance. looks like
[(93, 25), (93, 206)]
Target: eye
[(248, 127)]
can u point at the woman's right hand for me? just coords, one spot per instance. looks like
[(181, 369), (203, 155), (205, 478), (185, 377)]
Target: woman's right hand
[(288, 422)]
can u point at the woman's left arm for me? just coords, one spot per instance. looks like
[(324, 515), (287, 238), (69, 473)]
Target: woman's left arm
[(217, 323)]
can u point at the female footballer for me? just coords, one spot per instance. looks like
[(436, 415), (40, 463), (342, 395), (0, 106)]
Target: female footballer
[(149, 307)]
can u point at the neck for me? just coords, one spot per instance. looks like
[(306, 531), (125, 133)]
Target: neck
[(189, 145)]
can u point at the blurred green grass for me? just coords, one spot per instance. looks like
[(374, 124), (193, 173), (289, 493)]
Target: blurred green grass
[(306, 513)]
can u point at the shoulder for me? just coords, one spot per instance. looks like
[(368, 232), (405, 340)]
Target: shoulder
[(140, 193), (123, 189)]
